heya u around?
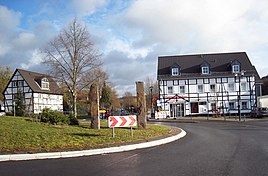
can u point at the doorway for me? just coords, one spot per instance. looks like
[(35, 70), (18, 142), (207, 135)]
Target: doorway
[(177, 110)]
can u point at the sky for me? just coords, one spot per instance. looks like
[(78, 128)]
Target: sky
[(131, 34)]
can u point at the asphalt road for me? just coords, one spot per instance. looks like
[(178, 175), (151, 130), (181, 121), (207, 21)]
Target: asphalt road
[(209, 148)]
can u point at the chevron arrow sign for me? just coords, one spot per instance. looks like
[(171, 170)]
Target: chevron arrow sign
[(122, 121)]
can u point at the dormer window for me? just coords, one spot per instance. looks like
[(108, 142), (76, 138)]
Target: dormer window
[(236, 67), (175, 70), (205, 68), (45, 83)]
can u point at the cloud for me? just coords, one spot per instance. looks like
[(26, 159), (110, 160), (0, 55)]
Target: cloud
[(35, 59), (183, 27), (132, 34), (9, 19), (86, 7), (18, 47)]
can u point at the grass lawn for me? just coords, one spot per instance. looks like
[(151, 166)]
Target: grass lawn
[(21, 135)]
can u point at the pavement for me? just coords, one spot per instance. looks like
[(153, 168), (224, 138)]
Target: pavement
[(197, 119), (123, 148)]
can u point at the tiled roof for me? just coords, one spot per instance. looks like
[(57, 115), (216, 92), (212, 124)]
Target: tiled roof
[(190, 65), (32, 79)]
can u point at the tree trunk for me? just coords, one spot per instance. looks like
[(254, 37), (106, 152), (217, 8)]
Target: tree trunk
[(94, 106), (141, 105), (74, 105)]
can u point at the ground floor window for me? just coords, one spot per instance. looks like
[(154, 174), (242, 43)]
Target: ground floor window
[(244, 105), (231, 105), (213, 107), (194, 107)]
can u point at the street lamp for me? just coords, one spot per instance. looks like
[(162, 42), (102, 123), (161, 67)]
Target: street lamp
[(151, 99), (239, 75)]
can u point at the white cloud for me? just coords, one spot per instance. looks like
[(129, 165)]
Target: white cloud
[(25, 40), (35, 59), (116, 44), (182, 27), (9, 19), (86, 7), (132, 34)]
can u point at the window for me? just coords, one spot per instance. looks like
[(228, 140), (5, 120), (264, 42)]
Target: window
[(205, 70), (170, 90), (231, 105), (243, 87), (236, 68), (202, 103), (231, 87), (175, 71), (212, 88), (213, 107), (182, 89), (200, 89), (244, 105), (14, 83), (192, 81), (20, 83), (45, 83), (206, 81)]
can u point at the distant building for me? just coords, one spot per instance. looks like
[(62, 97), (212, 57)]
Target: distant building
[(39, 91), (202, 84)]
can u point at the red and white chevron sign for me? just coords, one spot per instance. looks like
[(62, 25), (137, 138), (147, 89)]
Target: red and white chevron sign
[(122, 121)]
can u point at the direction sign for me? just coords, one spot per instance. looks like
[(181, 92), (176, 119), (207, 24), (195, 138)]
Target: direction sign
[(122, 121)]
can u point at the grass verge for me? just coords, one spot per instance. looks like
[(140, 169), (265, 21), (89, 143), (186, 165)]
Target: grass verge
[(21, 135)]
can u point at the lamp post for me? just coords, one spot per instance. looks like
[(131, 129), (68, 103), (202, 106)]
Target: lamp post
[(151, 101)]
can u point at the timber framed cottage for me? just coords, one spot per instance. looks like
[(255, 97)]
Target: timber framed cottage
[(38, 90), (206, 84)]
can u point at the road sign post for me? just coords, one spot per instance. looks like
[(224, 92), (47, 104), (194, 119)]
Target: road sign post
[(122, 121)]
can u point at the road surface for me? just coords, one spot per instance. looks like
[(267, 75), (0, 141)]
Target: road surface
[(209, 148)]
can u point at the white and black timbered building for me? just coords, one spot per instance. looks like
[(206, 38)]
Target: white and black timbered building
[(222, 83), (39, 91)]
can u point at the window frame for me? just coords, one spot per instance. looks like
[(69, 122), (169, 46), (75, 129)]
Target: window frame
[(205, 70), (214, 89), (233, 87), (45, 83), (182, 88), (232, 105), (175, 71), (236, 68), (200, 90), (170, 89), (244, 105)]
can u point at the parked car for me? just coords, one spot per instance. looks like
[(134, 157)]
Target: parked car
[(259, 112)]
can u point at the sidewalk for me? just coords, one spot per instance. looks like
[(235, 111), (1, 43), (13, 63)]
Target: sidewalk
[(54, 155), (197, 119)]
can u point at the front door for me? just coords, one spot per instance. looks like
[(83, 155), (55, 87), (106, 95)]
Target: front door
[(177, 110)]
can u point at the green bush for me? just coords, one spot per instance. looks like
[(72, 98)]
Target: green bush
[(73, 120), (53, 117)]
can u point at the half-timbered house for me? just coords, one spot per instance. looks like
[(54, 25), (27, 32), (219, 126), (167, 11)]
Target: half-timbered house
[(203, 84), (38, 91)]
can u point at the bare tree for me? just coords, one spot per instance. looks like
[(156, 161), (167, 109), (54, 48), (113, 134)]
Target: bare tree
[(73, 59)]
